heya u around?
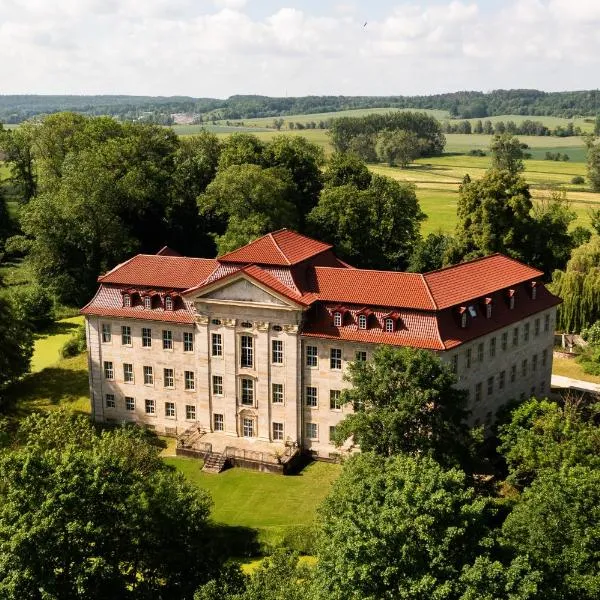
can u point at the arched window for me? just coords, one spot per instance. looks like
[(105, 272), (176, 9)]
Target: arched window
[(362, 321), (389, 325), (168, 303), (147, 302), (126, 300), (337, 319)]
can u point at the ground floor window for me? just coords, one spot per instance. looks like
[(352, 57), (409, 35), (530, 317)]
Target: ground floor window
[(331, 432), (312, 431), (150, 407), (169, 409), (248, 427), (218, 422), (129, 403), (190, 412), (110, 400), (277, 431)]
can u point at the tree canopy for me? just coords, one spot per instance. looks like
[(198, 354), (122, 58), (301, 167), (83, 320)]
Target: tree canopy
[(507, 153)]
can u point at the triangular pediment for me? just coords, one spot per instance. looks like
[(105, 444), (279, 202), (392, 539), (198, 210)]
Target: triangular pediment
[(243, 290)]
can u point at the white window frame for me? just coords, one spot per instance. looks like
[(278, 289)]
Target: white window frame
[(189, 378), (170, 410), (312, 397), (335, 400), (360, 356), (190, 412), (129, 403), (362, 321), (312, 356), (127, 300), (389, 325), (147, 302), (248, 427), (277, 352), (167, 339), (125, 335), (169, 303), (278, 431), (146, 337), (148, 375), (109, 371), (128, 376), (106, 333), (218, 422), (217, 385), (246, 352), (337, 319), (216, 344), (188, 341), (109, 400), (335, 359), (247, 392), (312, 430), (150, 406), (169, 378)]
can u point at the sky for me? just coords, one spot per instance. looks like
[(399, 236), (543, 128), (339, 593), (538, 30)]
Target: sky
[(217, 48)]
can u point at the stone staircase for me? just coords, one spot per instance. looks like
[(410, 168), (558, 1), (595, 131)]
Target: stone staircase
[(215, 462)]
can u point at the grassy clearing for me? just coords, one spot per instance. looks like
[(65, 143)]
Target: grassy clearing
[(48, 343), (569, 367)]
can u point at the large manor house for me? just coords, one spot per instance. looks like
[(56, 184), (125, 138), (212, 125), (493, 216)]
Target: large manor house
[(253, 345)]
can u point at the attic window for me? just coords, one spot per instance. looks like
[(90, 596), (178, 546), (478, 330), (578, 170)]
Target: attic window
[(362, 321), (533, 290), (168, 303), (147, 302), (463, 316), (488, 308), (246, 324), (277, 328), (472, 311), (215, 321), (511, 299), (337, 319), (389, 325), (126, 300)]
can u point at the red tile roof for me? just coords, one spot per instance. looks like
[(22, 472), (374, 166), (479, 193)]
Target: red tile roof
[(283, 247), (476, 278), (151, 270), (374, 288)]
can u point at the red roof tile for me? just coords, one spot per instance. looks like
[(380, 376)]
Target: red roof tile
[(150, 270), (283, 248), (373, 288), (476, 278)]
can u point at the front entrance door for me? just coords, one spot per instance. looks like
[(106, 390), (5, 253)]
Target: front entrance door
[(248, 427)]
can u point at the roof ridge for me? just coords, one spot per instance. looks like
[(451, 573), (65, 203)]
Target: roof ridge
[(435, 305), (353, 269), (285, 258), (101, 277)]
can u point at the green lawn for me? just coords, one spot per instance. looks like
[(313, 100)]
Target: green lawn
[(569, 367), (48, 343)]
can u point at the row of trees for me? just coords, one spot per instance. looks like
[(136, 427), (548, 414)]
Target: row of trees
[(526, 127)]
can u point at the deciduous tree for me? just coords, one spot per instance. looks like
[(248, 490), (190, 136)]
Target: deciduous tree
[(507, 153)]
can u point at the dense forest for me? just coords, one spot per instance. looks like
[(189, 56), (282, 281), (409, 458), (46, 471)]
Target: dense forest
[(17, 108)]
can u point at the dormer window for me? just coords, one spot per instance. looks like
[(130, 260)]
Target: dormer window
[(533, 290), (389, 325), (463, 316), (168, 303), (147, 302), (488, 308), (472, 311), (127, 300), (362, 321), (337, 319), (511, 299)]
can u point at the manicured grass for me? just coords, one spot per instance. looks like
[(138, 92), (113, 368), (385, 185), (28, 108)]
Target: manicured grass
[(48, 343), (569, 367), (262, 500)]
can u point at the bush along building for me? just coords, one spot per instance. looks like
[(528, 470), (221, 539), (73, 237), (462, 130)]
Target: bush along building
[(244, 355)]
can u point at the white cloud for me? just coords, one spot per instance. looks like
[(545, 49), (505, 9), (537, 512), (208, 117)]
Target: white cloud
[(236, 4)]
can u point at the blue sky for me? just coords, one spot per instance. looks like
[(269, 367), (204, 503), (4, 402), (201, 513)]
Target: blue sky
[(223, 47)]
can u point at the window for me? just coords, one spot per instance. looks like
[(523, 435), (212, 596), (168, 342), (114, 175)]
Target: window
[(167, 339), (334, 400), (147, 302), (146, 337), (248, 427), (109, 372), (331, 433), (170, 410), (389, 325), (277, 328), (106, 333), (454, 364), (536, 327), (526, 332), (493, 347), (127, 372), (218, 422), (490, 386), (150, 407), (312, 358), (524, 367), (217, 344), (515, 340), (277, 352), (311, 397), (513, 373), (189, 380), (544, 357), (110, 401), (126, 300), (126, 335), (501, 380), (277, 431), (488, 310), (277, 393), (215, 321), (463, 320), (361, 356), (362, 321), (190, 412), (547, 323), (247, 392), (168, 303), (217, 381), (511, 300), (534, 362), (337, 319), (335, 358), (247, 354), (168, 378), (148, 376), (478, 392), (504, 341), (188, 341), (312, 431), (129, 403), (480, 352), (468, 358), (246, 324), (533, 290)]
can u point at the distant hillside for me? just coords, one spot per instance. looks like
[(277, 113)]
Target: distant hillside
[(14, 109)]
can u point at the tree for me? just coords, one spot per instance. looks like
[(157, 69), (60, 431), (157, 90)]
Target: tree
[(593, 162), (556, 525), (493, 216), (595, 219), (16, 344), (278, 123), (372, 228), (401, 146), (346, 169), (507, 153), (251, 200), (405, 402), (363, 145), (6, 226), (398, 527), (17, 144), (428, 254), (88, 515), (240, 149), (33, 306)]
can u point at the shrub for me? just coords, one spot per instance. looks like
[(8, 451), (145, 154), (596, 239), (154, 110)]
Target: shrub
[(75, 345), (592, 334), (578, 180), (476, 152), (35, 306)]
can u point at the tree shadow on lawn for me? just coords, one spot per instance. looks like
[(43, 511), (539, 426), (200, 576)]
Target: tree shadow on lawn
[(235, 540), (57, 328)]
